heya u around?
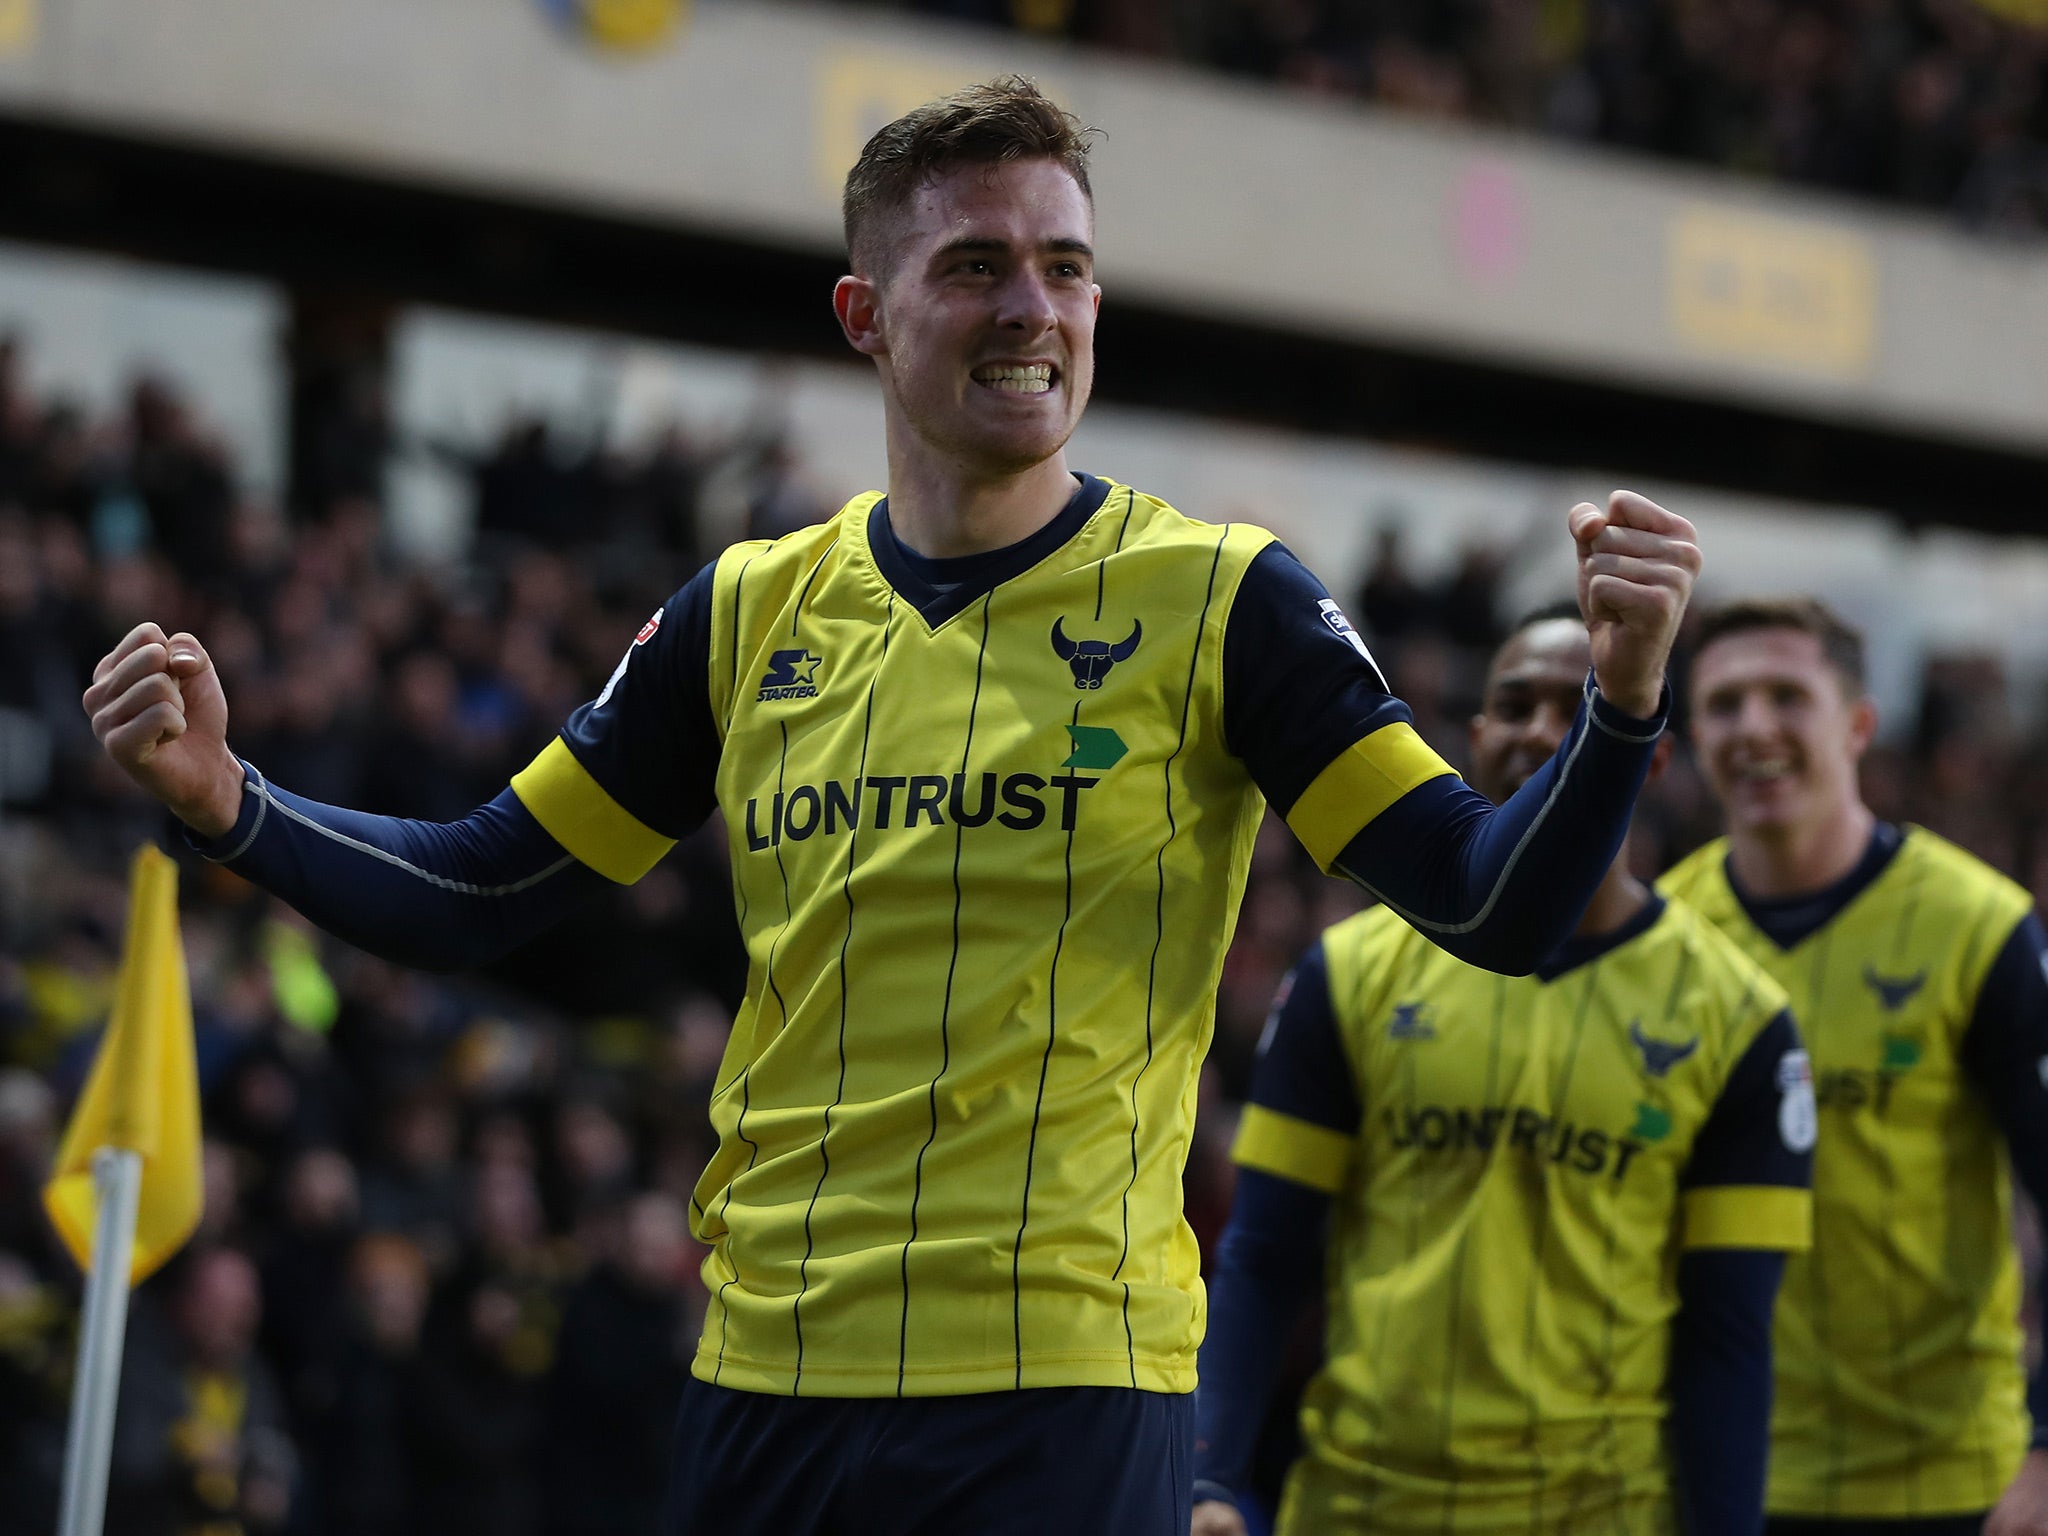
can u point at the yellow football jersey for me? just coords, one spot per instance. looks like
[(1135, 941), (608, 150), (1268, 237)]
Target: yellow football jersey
[(1899, 1388), (1532, 1154), (969, 858)]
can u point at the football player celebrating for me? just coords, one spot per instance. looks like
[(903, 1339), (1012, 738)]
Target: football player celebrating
[(1551, 1211), (991, 749), (1916, 973)]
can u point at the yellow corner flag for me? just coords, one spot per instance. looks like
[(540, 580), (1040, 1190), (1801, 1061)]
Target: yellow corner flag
[(143, 1094)]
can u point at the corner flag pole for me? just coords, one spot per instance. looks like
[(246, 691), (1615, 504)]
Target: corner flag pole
[(89, 1445), (125, 1190)]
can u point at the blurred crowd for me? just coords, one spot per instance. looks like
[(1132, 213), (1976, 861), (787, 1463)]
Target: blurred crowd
[(1940, 103), (444, 1281)]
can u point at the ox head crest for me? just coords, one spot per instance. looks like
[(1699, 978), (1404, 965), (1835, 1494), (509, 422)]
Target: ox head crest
[(1092, 659)]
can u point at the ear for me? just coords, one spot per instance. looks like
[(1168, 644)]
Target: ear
[(1660, 757), (858, 304), (1473, 727), (1862, 724)]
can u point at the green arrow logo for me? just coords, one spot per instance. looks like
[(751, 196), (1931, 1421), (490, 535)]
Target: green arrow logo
[(1095, 746), (1652, 1123)]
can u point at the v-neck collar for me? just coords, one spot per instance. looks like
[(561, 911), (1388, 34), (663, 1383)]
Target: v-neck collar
[(1577, 951), (1788, 921), (941, 588)]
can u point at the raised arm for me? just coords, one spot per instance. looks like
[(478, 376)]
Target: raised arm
[(1337, 755), (442, 896)]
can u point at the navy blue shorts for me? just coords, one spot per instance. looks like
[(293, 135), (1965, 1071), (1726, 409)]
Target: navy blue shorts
[(1079, 1461)]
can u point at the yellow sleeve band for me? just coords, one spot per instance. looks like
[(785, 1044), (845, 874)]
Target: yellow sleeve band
[(579, 815), (1749, 1216), (1293, 1149), (1360, 782)]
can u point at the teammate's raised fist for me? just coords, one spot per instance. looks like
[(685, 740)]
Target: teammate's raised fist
[(157, 707), (1637, 566)]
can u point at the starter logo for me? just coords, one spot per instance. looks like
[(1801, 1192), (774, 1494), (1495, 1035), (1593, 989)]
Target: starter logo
[(790, 675), (1411, 1021)]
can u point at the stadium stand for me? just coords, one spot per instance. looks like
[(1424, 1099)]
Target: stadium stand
[(1939, 103)]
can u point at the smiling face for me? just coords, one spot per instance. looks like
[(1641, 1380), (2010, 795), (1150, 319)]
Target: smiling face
[(1532, 695), (1778, 730), (982, 315)]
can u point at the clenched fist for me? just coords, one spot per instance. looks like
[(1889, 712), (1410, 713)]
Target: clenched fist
[(1637, 565), (157, 707)]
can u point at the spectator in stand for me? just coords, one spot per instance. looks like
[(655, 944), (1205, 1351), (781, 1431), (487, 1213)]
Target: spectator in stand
[(201, 1446), (476, 1420), (624, 1351), (181, 475), (421, 762), (1394, 604), (35, 1392), (359, 1470), (305, 1276), (415, 1188), (1942, 103)]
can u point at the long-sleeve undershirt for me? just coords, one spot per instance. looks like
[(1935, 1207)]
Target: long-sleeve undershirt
[(1498, 886)]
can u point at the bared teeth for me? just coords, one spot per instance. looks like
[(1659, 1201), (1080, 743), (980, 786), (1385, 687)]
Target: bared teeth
[(1017, 378)]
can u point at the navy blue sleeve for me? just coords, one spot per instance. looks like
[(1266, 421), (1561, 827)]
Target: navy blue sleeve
[(451, 896), (2005, 1051), (1721, 1387), (649, 738), (1302, 1069), (1270, 1258), (1497, 886), (1502, 886), (443, 896), (1299, 685), (1762, 1128), (1267, 1265)]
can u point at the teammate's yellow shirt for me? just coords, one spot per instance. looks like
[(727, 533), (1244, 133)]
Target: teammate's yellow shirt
[(1899, 1388), (986, 865), (1529, 1158)]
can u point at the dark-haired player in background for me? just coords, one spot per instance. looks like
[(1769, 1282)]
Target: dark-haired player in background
[(991, 750), (1917, 976), (1551, 1211)]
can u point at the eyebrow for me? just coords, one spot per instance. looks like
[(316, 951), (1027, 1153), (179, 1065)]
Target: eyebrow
[(1064, 245)]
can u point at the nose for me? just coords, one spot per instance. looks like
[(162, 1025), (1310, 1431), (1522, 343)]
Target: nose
[(1753, 714), (1025, 304)]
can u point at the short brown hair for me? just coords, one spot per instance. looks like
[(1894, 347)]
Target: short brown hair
[(1840, 643), (989, 124)]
